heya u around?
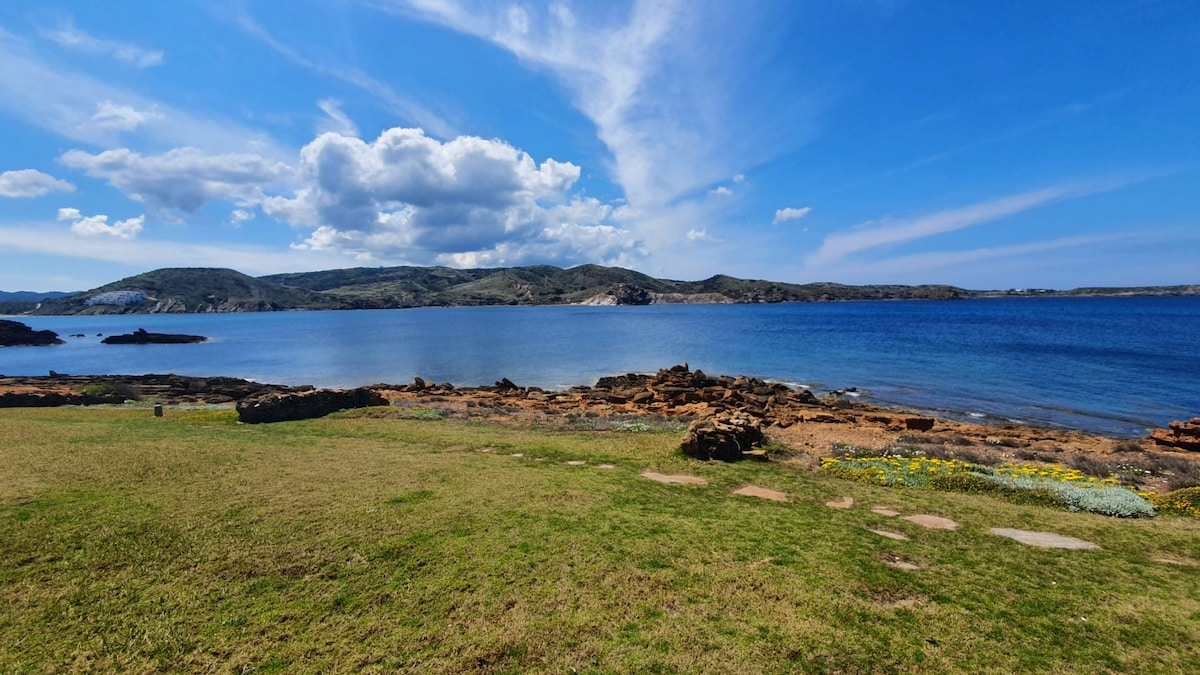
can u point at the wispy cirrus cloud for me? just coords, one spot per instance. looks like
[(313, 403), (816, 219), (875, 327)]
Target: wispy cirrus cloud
[(49, 238), (77, 40), (844, 244), (406, 108), (658, 78), (66, 102)]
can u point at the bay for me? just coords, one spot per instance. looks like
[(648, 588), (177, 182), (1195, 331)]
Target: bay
[(1115, 366)]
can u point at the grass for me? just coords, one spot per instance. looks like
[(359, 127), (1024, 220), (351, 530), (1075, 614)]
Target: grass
[(351, 543)]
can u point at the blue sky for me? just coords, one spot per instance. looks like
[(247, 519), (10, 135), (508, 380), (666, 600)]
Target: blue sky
[(981, 144)]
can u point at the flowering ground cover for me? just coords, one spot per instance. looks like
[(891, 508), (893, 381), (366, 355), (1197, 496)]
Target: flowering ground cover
[(1023, 483)]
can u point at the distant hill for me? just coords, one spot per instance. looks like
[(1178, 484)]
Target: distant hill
[(20, 302), (187, 290), (176, 290), (31, 296)]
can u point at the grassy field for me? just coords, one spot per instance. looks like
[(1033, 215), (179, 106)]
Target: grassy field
[(346, 544)]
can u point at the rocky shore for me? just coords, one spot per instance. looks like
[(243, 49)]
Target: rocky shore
[(797, 418)]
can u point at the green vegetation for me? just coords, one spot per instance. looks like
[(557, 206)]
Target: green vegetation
[(1184, 502), (359, 542), (224, 290), (1021, 483), (194, 290)]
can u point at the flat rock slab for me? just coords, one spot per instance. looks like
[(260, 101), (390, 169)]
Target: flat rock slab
[(890, 535), (846, 503), (902, 564), (881, 511), (1043, 539), (606, 466), (932, 522), (664, 478), (762, 493), (575, 462)]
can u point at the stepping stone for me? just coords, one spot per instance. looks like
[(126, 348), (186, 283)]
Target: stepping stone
[(663, 478), (606, 466), (517, 454), (575, 462), (1173, 561), (539, 459), (1043, 539), (846, 503), (932, 522), (890, 535), (763, 493), (486, 450), (881, 511)]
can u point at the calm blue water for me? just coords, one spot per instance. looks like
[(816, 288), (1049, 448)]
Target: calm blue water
[(1108, 365)]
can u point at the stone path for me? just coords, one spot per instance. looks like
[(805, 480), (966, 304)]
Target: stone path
[(932, 522), (664, 478), (762, 493), (1043, 539), (1038, 539)]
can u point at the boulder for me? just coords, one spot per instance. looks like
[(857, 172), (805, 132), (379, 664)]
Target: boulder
[(1179, 435), (15, 333), (724, 436), (284, 407)]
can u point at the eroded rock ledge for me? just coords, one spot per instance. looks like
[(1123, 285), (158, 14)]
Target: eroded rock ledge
[(796, 417)]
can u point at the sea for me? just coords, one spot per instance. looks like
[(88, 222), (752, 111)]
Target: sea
[(1110, 365)]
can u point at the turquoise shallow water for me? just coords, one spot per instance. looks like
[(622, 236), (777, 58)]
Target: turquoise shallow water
[(1107, 365)]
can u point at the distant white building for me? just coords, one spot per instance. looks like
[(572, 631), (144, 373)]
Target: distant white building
[(120, 298)]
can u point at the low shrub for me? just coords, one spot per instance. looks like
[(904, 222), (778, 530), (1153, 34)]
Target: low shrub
[(1074, 489), (1021, 483), (1184, 502)]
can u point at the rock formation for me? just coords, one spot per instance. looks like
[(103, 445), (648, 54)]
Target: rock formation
[(15, 333), (289, 406), (1179, 435), (141, 337)]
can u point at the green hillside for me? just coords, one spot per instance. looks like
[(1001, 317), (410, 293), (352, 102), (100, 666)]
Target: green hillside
[(179, 290), (189, 290)]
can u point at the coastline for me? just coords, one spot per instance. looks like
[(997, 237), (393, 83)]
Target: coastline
[(793, 416)]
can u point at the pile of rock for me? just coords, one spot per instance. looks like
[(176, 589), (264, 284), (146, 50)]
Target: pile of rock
[(1179, 435), (727, 436), (679, 385)]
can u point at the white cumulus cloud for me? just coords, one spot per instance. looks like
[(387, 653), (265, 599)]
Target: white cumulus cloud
[(119, 117), (467, 201), (97, 226), (31, 183), (184, 179), (789, 213)]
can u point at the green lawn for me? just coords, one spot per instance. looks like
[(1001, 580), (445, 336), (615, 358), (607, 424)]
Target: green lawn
[(347, 544)]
